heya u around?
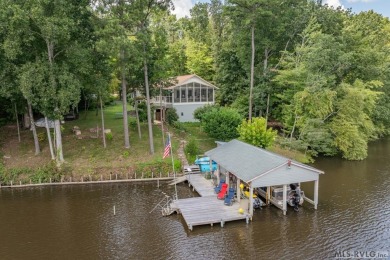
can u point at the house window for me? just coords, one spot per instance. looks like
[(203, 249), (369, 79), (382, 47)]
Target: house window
[(183, 95), (177, 96), (197, 92), (190, 95), (210, 94), (203, 94)]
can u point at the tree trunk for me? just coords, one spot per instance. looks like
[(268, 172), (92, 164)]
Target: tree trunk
[(34, 130), (151, 144), (49, 139), (293, 128), (17, 122), (60, 156), (57, 125), (252, 72), (102, 112), (161, 117), (137, 116), (265, 68), (124, 101), (267, 110)]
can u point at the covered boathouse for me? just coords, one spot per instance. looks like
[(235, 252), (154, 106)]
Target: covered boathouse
[(259, 168), (241, 163)]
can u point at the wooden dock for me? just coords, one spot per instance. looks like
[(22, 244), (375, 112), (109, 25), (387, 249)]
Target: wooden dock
[(202, 186), (207, 209)]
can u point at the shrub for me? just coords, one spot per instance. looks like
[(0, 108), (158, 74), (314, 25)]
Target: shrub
[(157, 167), (109, 136), (126, 154), (142, 112), (171, 116), (255, 132), (179, 126), (45, 173), (200, 111), (41, 136), (221, 123), (132, 122), (110, 100), (191, 150), (24, 175)]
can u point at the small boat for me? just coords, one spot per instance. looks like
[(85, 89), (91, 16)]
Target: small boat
[(294, 195), (204, 164)]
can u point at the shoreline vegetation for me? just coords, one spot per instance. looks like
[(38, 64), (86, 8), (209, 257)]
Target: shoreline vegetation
[(87, 160)]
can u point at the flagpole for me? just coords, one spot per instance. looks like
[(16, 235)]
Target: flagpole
[(173, 165)]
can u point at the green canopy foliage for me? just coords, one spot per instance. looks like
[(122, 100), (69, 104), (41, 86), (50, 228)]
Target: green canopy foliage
[(320, 73), (221, 123), (255, 132)]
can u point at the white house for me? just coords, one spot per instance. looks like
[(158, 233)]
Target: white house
[(188, 93)]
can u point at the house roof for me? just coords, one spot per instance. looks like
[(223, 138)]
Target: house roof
[(180, 80), (259, 166)]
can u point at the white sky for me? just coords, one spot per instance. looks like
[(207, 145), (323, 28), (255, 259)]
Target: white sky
[(335, 3), (182, 8)]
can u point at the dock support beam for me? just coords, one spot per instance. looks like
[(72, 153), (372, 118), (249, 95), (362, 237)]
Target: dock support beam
[(250, 199), (218, 174), (211, 166), (268, 196), (315, 194), (284, 199), (228, 178), (238, 190)]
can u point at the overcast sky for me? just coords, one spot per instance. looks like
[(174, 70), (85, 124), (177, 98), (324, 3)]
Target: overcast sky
[(182, 7)]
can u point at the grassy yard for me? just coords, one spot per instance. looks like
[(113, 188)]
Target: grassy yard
[(86, 155)]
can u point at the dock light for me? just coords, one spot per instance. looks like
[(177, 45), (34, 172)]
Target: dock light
[(289, 164), (241, 211)]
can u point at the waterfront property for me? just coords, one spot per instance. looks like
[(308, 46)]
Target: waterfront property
[(188, 93), (258, 168), (242, 165)]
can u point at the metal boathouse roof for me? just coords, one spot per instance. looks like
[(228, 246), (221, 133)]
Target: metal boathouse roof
[(261, 167)]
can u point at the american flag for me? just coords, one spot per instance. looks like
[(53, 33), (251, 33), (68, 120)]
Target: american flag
[(167, 148)]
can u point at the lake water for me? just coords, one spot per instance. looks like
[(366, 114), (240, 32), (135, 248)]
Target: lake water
[(77, 222)]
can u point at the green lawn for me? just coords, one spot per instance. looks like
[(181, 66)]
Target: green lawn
[(88, 152)]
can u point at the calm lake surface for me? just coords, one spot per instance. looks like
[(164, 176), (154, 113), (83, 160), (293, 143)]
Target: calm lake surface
[(77, 222)]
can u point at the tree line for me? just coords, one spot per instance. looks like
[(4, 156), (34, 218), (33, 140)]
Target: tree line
[(320, 73)]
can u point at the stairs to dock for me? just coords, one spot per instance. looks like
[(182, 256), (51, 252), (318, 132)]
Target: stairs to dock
[(165, 205), (191, 169), (188, 169), (178, 180)]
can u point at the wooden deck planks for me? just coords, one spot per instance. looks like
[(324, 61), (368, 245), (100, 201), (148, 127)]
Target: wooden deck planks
[(201, 185), (206, 209)]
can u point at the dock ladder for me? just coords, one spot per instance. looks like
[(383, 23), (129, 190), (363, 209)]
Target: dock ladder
[(165, 205)]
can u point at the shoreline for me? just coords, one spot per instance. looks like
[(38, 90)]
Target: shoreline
[(86, 182)]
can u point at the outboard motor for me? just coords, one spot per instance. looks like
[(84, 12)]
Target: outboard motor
[(297, 197)]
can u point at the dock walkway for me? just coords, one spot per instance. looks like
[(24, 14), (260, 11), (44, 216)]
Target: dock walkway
[(207, 209), (202, 186)]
